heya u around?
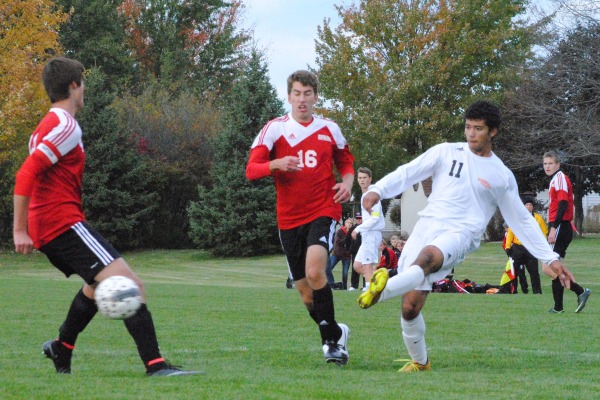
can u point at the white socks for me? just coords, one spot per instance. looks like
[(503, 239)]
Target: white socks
[(403, 283), (413, 333)]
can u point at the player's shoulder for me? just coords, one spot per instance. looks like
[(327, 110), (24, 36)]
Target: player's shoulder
[(325, 121), (51, 120), (446, 148), (450, 146), (275, 122)]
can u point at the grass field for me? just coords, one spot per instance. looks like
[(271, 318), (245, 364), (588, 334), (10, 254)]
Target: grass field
[(235, 320)]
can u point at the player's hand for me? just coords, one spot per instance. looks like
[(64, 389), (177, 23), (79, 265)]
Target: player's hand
[(343, 192), (565, 276), (552, 235), (286, 164), (23, 243), (369, 200)]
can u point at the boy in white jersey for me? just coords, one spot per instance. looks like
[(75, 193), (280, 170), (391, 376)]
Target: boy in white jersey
[(469, 182), (367, 256)]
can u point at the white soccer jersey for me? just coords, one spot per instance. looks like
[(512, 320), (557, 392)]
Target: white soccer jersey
[(466, 190), (373, 221)]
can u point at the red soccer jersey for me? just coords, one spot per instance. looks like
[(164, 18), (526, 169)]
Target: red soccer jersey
[(52, 176), (560, 189), (308, 194)]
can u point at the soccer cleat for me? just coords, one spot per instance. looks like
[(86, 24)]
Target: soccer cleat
[(59, 354), (337, 352), (582, 299), (172, 370), (413, 366), (378, 282), (553, 311)]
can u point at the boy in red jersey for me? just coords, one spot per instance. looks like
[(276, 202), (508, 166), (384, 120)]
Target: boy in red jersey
[(48, 215), (560, 216), (300, 151)]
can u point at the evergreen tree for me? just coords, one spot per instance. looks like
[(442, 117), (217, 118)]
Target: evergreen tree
[(116, 194), (235, 216), (95, 35)]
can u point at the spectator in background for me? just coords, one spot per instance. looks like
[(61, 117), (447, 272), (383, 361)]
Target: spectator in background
[(522, 258), (397, 243), (388, 259), (341, 252), (354, 246)]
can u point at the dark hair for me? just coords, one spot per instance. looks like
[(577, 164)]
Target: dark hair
[(58, 74), (306, 78), (365, 170), (529, 199), (486, 111)]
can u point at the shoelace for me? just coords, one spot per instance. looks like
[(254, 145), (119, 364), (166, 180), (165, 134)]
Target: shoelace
[(414, 364)]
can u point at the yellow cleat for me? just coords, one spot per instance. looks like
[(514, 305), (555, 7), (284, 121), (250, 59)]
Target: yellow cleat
[(371, 295), (413, 366)]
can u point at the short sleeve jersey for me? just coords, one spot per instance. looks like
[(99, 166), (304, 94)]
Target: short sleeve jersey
[(305, 195), (560, 189), (55, 191)]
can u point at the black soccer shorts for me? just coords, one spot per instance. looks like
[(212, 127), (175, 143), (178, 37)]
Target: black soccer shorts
[(81, 250), (296, 241)]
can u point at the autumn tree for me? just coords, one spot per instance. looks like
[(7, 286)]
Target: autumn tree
[(175, 133), (195, 39), (119, 195), (28, 38), (398, 74)]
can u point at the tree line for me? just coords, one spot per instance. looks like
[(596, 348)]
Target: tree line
[(176, 91)]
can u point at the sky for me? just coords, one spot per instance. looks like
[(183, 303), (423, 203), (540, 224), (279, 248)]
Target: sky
[(287, 30)]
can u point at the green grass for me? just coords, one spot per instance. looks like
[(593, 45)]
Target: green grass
[(234, 319)]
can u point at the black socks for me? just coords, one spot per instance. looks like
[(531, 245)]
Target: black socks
[(324, 314), (81, 312), (141, 329)]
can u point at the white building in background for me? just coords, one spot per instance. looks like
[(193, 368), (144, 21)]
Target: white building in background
[(412, 201)]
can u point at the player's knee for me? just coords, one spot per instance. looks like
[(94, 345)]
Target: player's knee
[(430, 259), (409, 312)]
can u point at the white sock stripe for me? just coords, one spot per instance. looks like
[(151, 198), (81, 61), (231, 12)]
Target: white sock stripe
[(92, 243)]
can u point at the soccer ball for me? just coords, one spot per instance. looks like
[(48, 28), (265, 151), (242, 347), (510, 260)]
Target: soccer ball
[(118, 297)]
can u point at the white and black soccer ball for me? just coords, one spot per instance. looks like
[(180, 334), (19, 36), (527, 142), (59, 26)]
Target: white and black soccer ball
[(118, 297)]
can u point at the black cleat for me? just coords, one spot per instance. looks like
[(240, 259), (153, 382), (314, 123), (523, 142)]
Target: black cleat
[(171, 370), (60, 356), (337, 352), (582, 299)]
